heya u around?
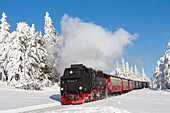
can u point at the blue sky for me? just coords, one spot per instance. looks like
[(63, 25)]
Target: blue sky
[(149, 18)]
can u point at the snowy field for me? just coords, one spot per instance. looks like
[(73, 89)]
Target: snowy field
[(17, 100), (137, 101)]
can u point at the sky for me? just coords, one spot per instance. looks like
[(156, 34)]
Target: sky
[(148, 18)]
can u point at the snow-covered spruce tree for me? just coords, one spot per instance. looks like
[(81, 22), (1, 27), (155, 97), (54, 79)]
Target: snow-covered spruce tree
[(118, 70), (51, 43), (132, 73), (27, 66), (162, 71), (136, 73), (123, 65), (4, 42), (127, 67), (37, 61), (158, 75), (131, 70), (135, 69), (145, 78), (127, 71)]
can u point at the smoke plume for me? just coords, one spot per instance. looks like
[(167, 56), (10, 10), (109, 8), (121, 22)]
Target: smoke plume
[(90, 44)]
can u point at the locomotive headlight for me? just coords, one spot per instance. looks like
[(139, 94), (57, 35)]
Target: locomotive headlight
[(80, 88), (62, 89), (71, 72)]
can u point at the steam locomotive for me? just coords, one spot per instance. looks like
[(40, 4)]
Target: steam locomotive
[(80, 84)]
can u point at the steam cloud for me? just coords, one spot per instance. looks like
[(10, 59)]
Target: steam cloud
[(90, 44)]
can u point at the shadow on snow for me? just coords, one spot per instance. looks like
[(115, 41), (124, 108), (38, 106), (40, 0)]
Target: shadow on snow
[(56, 97)]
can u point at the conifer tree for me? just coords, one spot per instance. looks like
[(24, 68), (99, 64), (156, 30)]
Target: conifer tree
[(162, 71), (51, 43), (28, 65), (4, 42), (145, 78), (123, 65), (143, 72), (118, 70), (131, 70), (135, 68), (132, 73), (127, 67), (50, 37)]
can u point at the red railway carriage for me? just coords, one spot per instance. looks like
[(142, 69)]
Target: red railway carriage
[(147, 84), (133, 85), (144, 84), (140, 85), (125, 85), (130, 84), (114, 84), (136, 84)]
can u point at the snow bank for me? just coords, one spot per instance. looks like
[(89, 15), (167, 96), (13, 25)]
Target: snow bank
[(90, 110), (137, 101), (31, 108), (17, 100)]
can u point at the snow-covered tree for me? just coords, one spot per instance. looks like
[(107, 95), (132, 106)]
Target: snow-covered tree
[(131, 70), (143, 72), (127, 67), (144, 77), (123, 65), (140, 76), (131, 73), (162, 71), (126, 72), (27, 58), (4, 42), (135, 69), (50, 36), (118, 70), (51, 43)]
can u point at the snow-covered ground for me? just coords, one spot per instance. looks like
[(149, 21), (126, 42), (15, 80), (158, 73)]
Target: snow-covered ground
[(137, 101), (17, 100)]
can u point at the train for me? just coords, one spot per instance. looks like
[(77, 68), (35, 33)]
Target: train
[(80, 84)]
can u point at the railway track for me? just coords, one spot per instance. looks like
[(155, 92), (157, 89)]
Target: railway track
[(46, 109)]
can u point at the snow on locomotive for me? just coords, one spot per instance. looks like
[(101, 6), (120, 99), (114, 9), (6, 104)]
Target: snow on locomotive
[(80, 84)]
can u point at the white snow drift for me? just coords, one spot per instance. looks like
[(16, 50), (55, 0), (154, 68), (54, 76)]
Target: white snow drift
[(136, 101)]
